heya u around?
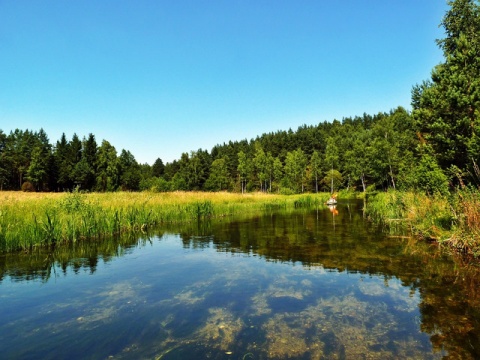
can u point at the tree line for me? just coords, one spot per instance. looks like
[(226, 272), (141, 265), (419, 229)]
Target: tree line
[(433, 148), (376, 151), (29, 161)]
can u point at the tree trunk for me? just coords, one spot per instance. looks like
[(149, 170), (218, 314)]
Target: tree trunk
[(20, 177), (391, 176)]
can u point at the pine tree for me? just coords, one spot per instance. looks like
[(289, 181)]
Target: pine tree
[(447, 108)]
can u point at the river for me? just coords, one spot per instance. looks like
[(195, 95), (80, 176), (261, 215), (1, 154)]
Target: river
[(311, 284)]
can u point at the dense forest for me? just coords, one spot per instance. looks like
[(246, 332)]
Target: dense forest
[(433, 148)]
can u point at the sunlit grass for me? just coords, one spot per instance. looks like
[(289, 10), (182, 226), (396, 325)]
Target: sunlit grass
[(44, 219)]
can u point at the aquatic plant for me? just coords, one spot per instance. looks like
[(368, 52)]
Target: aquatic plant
[(201, 209), (304, 201)]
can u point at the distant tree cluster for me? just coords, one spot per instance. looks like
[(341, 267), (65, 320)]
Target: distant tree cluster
[(378, 151), (431, 149), (29, 162)]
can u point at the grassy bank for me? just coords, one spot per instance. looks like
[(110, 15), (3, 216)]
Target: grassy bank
[(42, 219), (453, 221)]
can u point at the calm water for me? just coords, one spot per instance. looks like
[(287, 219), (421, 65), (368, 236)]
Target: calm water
[(314, 284)]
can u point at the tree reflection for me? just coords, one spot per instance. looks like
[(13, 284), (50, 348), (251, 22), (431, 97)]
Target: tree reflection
[(336, 239)]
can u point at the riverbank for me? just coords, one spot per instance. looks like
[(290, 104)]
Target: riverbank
[(452, 221), (43, 219)]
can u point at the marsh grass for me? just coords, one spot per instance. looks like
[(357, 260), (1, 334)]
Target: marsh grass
[(425, 216), (34, 219), (466, 210), (453, 221)]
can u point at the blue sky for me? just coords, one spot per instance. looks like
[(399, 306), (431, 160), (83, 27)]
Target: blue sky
[(160, 78)]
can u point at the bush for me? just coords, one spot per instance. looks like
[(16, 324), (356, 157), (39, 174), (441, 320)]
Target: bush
[(429, 177), (27, 186), (155, 184), (286, 191)]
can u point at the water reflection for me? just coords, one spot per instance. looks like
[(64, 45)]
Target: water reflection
[(316, 284), (42, 264)]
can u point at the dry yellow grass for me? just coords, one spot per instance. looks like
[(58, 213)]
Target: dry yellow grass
[(180, 197), (8, 197), (122, 199)]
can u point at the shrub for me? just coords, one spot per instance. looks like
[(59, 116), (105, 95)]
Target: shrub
[(27, 186), (429, 177), (286, 191)]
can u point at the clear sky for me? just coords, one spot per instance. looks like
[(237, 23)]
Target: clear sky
[(162, 77)]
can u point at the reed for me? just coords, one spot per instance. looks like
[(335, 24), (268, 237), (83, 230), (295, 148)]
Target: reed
[(453, 221), (425, 216), (466, 209), (33, 219)]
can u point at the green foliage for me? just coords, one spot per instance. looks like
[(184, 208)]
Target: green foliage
[(107, 167), (277, 170), (358, 156), (331, 154), (158, 168), (332, 176), (243, 169), (295, 169), (447, 108), (286, 191), (429, 177), (37, 171), (315, 168), (261, 166), (129, 171), (218, 179), (179, 182), (82, 174), (155, 184)]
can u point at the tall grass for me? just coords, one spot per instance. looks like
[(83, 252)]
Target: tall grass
[(29, 219), (466, 210), (453, 221)]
